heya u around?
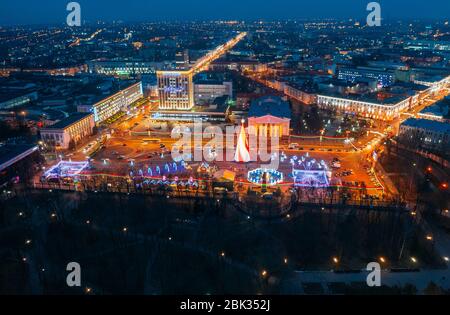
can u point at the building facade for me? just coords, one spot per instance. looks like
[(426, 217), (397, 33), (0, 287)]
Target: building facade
[(367, 109), (17, 99), (299, 95), (207, 92), (383, 77), (269, 116), (176, 90), (115, 103), (426, 133), (122, 68), (74, 128)]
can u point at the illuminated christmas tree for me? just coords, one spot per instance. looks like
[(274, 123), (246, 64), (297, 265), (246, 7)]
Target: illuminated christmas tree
[(242, 154)]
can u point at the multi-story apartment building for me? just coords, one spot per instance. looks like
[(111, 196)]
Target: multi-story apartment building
[(425, 133), (113, 104), (383, 77), (388, 110), (122, 68)]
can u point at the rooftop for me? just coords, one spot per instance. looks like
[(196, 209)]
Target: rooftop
[(270, 105), (431, 125), (440, 109), (10, 154), (75, 117)]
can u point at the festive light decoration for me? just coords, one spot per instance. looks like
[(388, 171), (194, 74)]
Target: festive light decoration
[(65, 169), (308, 172), (242, 154), (167, 169), (166, 182), (268, 177)]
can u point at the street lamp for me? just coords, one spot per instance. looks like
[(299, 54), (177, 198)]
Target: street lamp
[(322, 132)]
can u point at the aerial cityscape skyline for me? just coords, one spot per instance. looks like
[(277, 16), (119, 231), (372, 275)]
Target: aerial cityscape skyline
[(27, 12), (202, 149)]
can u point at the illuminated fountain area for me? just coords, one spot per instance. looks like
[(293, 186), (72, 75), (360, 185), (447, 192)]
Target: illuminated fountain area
[(309, 172)]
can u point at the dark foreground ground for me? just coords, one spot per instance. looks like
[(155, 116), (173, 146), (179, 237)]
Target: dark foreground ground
[(129, 244)]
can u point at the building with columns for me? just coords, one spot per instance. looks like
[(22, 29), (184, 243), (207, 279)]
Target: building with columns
[(269, 116)]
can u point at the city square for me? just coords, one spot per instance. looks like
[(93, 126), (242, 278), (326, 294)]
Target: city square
[(195, 154)]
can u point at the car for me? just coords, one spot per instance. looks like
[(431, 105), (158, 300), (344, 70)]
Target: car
[(336, 164), (293, 146)]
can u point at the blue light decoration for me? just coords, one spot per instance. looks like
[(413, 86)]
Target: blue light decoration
[(172, 89), (168, 169), (309, 172), (261, 176)]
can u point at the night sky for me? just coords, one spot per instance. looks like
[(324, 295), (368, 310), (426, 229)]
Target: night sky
[(13, 12)]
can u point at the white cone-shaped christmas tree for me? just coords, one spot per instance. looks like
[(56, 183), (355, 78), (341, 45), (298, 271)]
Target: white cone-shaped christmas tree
[(242, 154)]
